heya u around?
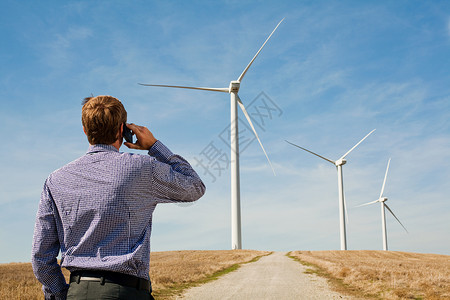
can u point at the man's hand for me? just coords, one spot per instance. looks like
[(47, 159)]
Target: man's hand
[(145, 138)]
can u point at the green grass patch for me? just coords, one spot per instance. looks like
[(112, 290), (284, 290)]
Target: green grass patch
[(310, 271)]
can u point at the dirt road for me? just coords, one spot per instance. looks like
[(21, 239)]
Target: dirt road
[(272, 277)]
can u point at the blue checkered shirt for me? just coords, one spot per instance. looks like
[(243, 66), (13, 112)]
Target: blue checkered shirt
[(97, 210)]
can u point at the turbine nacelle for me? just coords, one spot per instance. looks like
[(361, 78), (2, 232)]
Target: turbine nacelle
[(383, 199), (340, 162), (234, 86)]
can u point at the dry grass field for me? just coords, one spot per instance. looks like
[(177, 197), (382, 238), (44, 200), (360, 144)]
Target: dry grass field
[(170, 271), (384, 274), (18, 282), (376, 274)]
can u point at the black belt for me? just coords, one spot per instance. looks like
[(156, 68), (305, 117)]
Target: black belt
[(111, 277)]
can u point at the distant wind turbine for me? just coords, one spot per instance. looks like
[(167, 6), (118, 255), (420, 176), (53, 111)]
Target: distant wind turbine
[(232, 89), (382, 200), (342, 205)]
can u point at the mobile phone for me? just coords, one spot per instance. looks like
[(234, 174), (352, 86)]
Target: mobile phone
[(127, 135)]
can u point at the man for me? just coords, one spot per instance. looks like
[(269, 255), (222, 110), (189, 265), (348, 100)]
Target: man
[(97, 210)]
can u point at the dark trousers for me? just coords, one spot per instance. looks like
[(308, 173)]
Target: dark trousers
[(94, 290)]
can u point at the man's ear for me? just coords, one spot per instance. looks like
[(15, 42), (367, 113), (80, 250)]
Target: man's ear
[(120, 133), (84, 131)]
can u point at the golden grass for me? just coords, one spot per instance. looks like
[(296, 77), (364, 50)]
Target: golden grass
[(385, 274), (170, 271), (17, 281)]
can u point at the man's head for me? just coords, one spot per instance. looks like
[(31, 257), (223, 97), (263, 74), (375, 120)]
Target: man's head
[(102, 117)]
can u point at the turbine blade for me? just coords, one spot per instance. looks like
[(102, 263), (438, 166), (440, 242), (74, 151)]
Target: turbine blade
[(312, 152), (241, 105), (368, 203), (395, 217), (385, 176), (248, 66), (343, 156), (225, 90)]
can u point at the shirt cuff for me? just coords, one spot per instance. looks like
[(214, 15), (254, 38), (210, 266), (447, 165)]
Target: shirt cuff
[(61, 295), (160, 151)]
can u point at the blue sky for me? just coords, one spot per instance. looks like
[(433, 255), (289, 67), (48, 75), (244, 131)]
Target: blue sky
[(332, 72)]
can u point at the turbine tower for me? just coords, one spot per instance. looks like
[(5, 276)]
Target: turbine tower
[(382, 201), (233, 89), (342, 205)]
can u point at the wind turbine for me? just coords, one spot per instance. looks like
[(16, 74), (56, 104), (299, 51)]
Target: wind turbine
[(382, 200), (233, 89), (342, 206)]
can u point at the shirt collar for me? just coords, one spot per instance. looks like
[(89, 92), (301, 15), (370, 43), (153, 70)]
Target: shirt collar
[(101, 148)]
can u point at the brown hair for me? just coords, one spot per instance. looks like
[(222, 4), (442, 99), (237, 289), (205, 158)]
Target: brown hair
[(101, 117)]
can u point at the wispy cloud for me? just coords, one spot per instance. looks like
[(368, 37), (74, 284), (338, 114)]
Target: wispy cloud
[(58, 52)]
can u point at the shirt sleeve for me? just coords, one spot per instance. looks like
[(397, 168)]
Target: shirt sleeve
[(46, 248), (173, 178)]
